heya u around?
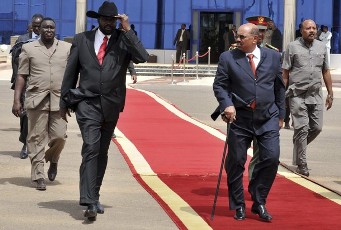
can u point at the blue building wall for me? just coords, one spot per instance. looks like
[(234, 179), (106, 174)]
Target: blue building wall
[(156, 21)]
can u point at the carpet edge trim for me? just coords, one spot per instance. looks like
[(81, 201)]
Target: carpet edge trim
[(190, 218)]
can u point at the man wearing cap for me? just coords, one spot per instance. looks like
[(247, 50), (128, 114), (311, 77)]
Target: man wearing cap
[(98, 62), (261, 23)]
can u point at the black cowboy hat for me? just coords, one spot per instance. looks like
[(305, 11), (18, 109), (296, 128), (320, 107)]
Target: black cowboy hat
[(107, 9)]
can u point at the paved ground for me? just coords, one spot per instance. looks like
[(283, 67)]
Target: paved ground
[(128, 205)]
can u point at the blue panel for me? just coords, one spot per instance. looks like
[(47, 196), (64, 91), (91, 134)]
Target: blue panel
[(68, 10), (170, 12), (183, 11), (217, 4), (323, 13), (233, 4), (6, 6), (21, 9), (169, 37), (53, 9), (121, 6), (148, 39), (37, 6), (149, 11), (67, 29), (304, 10), (20, 26), (202, 4), (134, 10)]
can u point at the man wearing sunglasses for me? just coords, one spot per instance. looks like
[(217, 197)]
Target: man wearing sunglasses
[(250, 91)]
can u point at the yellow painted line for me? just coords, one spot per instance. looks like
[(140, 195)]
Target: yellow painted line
[(282, 171), (181, 208), (310, 185)]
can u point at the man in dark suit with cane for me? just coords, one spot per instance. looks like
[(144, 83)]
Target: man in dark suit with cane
[(254, 75), (101, 57)]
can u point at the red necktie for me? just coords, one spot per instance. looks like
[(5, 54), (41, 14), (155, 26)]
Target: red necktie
[(252, 64), (101, 51), (253, 68)]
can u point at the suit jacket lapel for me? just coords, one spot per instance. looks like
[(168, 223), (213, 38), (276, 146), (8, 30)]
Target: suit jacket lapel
[(112, 40), (262, 57), (241, 60), (90, 41)]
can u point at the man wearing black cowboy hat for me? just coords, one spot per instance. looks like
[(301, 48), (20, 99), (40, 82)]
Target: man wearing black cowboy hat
[(100, 57)]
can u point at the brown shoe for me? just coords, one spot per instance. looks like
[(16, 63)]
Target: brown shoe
[(303, 170), (41, 184), (52, 172)]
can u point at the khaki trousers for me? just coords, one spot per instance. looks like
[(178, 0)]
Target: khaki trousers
[(44, 128)]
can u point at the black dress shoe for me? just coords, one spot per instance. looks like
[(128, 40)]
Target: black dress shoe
[(91, 212), (303, 170), (262, 212), (240, 213), (100, 208), (52, 172), (23, 152), (41, 184)]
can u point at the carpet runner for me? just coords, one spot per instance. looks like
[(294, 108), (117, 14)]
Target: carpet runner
[(177, 160)]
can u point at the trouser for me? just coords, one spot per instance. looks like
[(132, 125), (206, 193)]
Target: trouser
[(44, 128), (308, 120), (23, 128), (96, 134), (264, 172), (287, 112), (23, 122), (181, 48)]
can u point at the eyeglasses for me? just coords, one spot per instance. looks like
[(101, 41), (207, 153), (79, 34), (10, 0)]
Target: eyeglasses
[(242, 37)]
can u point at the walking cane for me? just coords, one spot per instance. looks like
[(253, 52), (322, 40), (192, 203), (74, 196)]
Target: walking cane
[(220, 174)]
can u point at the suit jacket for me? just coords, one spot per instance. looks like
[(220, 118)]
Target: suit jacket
[(15, 55), (106, 81), (45, 70), (235, 85), (185, 37)]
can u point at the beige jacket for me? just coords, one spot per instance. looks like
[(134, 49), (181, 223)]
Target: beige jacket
[(45, 70)]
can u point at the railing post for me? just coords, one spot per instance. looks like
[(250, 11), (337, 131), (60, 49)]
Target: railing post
[(197, 63), (172, 70), (184, 65), (209, 59)]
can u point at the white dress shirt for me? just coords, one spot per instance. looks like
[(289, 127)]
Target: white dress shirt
[(99, 39)]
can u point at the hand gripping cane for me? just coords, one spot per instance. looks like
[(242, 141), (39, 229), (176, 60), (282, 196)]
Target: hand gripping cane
[(220, 174)]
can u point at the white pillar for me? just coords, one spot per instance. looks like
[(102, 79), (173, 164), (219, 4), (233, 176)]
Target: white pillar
[(80, 16), (289, 22)]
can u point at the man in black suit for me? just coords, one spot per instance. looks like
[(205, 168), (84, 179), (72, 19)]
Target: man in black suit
[(250, 91), (181, 41), (100, 95), (32, 34)]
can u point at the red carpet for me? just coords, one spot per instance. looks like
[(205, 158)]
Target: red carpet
[(187, 159)]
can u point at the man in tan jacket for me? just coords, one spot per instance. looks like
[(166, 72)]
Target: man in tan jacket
[(42, 64)]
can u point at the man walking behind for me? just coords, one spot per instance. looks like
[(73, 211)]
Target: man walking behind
[(42, 65), (305, 62)]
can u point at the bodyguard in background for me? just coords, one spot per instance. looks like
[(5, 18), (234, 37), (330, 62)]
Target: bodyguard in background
[(31, 35), (304, 64), (181, 41), (98, 62)]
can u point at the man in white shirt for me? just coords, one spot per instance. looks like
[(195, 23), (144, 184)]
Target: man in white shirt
[(325, 37), (181, 41)]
